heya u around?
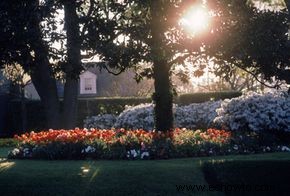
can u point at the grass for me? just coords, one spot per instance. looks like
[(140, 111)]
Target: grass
[(158, 177), (268, 177)]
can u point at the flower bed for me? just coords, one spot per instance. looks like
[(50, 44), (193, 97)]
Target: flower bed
[(137, 144), (117, 144)]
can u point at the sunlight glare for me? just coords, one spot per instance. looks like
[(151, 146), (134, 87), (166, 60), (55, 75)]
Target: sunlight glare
[(196, 20), (6, 165)]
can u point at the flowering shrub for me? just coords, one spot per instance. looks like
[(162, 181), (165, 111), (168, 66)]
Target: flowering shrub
[(104, 121), (136, 117), (118, 144), (255, 112), (141, 117), (196, 115)]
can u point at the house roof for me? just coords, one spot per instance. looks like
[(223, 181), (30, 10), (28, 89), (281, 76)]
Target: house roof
[(93, 67), (88, 71)]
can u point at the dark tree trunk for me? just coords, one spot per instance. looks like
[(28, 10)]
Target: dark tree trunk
[(23, 109), (287, 2), (42, 75), (163, 97), (73, 65)]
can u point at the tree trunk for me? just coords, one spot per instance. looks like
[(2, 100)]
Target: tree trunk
[(287, 2), (73, 66), (23, 109), (163, 97), (42, 75)]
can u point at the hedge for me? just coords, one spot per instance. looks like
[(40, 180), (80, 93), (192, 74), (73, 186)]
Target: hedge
[(94, 106), (186, 99)]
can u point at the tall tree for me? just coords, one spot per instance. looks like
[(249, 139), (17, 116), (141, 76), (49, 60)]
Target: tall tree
[(22, 43), (73, 65), (146, 31), (150, 31), (28, 34)]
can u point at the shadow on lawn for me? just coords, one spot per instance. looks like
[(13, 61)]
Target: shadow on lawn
[(253, 177)]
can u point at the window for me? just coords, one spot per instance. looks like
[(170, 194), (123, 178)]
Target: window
[(89, 84)]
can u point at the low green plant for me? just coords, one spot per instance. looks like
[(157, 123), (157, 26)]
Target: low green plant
[(8, 142)]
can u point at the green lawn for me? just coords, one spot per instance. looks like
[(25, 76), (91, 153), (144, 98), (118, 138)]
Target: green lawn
[(159, 177)]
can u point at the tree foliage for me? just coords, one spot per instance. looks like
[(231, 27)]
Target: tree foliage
[(256, 41)]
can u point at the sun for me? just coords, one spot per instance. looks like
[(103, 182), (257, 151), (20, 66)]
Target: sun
[(196, 20)]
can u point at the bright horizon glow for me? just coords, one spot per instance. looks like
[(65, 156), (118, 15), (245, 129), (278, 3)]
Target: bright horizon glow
[(196, 20)]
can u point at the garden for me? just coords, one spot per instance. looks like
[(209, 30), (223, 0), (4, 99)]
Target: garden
[(213, 120), (249, 124), (230, 140)]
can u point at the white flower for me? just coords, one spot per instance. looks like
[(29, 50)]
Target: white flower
[(144, 154), (133, 153), (26, 152), (236, 147), (15, 151), (285, 148), (90, 149)]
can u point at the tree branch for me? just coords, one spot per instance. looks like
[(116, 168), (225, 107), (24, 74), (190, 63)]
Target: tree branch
[(114, 73), (256, 78), (104, 66), (180, 58), (90, 11)]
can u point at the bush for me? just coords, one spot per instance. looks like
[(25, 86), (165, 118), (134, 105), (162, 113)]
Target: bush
[(268, 112), (256, 112), (186, 99), (196, 116), (192, 116), (136, 117), (105, 121)]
